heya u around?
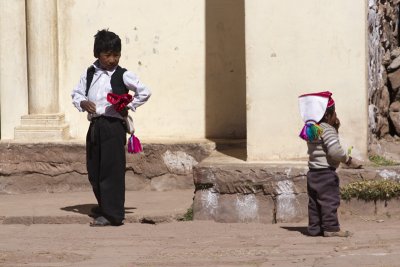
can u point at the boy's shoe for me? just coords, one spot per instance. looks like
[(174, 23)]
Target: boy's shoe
[(103, 221), (337, 234), (100, 221)]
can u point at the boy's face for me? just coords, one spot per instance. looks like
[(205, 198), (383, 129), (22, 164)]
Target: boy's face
[(109, 60)]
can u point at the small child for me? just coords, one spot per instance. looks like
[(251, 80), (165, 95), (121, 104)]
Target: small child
[(325, 154), (106, 137)]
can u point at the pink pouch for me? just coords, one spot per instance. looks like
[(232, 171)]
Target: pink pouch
[(134, 145)]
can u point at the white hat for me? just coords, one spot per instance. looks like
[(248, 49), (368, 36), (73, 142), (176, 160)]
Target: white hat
[(312, 109)]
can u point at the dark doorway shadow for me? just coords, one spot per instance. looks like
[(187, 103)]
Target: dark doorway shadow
[(235, 148), (302, 230), (86, 209), (225, 70)]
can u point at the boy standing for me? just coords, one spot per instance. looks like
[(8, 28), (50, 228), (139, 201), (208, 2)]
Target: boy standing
[(325, 154), (106, 137)]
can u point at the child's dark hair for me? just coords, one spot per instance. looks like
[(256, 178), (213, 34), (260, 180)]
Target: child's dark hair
[(105, 41), (329, 112)]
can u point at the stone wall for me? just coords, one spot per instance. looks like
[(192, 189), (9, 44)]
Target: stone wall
[(383, 69), (272, 193), (56, 167)]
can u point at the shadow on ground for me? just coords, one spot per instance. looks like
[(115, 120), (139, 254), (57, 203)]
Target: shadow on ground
[(302, 230), (86, 209)]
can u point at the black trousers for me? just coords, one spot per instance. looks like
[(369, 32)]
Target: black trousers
[(105, 160), (323, 201)]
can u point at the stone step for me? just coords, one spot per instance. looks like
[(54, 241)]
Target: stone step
[(231, 190), (27, 167), (42, 127), (37, 133), (43, 120), (224, 144)]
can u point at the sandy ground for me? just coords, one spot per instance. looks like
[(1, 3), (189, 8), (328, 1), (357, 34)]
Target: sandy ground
[(198, 243)]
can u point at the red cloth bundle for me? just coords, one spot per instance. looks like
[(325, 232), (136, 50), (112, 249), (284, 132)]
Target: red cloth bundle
[(119, 101)]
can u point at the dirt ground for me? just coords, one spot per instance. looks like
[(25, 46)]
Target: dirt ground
[(198, 243)]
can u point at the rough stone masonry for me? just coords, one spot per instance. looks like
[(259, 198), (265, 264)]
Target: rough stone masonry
[(273, 193)]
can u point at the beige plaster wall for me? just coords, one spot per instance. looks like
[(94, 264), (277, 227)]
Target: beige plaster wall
[(162, 42), (13, 66), (294, 48), (192, 56)]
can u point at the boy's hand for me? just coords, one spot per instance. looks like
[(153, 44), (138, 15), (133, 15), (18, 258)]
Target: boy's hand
[(88, 106), (124, 112)]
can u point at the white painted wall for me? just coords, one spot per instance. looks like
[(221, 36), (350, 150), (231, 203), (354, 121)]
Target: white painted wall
[(13, 66), (295, 48), (162, 42), (290, 49)]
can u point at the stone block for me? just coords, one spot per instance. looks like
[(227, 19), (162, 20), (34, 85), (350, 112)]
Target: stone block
[(291, 207), (179, 162), (388, 173), (247, 178), (290, 186), (205, 204), (382, 125), (134, 182), (347, 176), (395, 119), (168, 182), (395, 64), (228, 180), (300, 184), (357, 208), (233, 208), (388, 209), (243, 181), (370, 209), (34, 182), (394, 79), (203, 175), (61, 167), (384, 101)]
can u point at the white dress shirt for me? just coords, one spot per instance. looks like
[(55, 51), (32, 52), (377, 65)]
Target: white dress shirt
[(101, 86)]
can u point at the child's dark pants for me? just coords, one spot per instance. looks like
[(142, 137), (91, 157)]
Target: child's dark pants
[(105, 155), (324, 200)]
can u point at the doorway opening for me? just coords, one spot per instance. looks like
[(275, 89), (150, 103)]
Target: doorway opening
[(226, 76)]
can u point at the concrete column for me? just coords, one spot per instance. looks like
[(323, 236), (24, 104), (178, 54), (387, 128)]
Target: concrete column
[(42, 56), (43, 123), (13, 66)]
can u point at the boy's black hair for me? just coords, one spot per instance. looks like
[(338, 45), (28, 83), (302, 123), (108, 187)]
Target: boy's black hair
[(105, 41)]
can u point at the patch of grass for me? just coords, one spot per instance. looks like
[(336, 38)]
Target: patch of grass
[(188, 216), (371, 190), (382, 161)]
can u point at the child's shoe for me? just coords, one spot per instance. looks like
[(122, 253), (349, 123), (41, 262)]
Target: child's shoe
[(337, 234)]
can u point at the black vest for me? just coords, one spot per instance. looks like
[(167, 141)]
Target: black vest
[(117, 82)]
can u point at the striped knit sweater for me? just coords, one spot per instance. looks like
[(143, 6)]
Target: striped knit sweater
[(326, 151)]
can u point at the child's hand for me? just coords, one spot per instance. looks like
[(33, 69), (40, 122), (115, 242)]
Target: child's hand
[(353, 163), (88, 106)]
